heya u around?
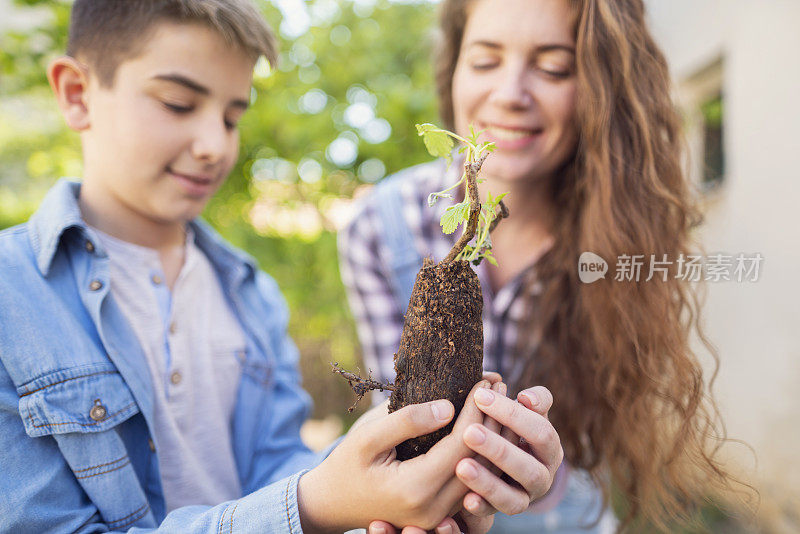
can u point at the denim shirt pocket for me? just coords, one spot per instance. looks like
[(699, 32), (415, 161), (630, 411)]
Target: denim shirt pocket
[(79, 407), (89, 398)]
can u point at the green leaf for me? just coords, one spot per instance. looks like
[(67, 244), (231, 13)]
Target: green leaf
[(490, 259), (438, 143), (453, 216), (492, 202)]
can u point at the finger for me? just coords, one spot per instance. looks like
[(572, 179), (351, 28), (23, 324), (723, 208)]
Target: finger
[(381, 527), (501, 389), (513, 461), (448, 526), (450, 449), (492, 377), (477, 505), (414, 530), (474, 524), (376, 412), (527, 424), (406, 423), (505, 498), (538, 398), (512, 437)]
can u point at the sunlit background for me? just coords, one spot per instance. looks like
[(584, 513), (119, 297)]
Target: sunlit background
[(337, 114)]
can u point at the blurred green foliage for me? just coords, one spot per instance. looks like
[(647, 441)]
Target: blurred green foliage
[(336, 113), (315, 133)]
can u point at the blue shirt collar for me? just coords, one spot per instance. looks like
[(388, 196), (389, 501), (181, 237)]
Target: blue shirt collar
[(59, 212)]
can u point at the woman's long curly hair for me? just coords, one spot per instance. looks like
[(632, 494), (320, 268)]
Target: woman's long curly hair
[(631, 405)]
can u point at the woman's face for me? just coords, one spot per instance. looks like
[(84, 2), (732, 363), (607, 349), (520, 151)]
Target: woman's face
[(515, 79)]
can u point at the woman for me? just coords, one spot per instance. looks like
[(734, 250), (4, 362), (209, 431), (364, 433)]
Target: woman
[(576, 96)]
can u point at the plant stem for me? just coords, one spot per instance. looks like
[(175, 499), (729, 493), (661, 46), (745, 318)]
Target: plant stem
[(472, 170), (502, 215)]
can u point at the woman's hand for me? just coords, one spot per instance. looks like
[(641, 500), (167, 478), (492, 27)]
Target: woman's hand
[(531, 461), (465, 521)]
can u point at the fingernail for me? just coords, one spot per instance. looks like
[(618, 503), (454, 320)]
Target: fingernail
[(442, 410), (377, 530), (475, 434), (532, 399), (471, 502), (444, 529), (484, 396), (467, 470)]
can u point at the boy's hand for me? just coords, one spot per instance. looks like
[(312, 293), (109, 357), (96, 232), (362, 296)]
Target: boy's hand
[(362, 479), (463, 521)]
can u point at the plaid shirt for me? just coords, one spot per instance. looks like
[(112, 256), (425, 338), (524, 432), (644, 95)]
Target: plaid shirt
[(366, 275), (364, 263)]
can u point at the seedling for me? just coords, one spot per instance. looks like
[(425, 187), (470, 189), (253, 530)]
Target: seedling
[(441, 347), (440, 143)]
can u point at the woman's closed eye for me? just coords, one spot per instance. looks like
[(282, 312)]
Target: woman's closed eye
[(555, 63), (556, 73), (484, 65)]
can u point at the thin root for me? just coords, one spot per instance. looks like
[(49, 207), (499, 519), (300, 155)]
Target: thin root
[(360, 385)]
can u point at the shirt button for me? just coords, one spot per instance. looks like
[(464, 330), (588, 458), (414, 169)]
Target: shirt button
[(151, 445), (175, 378), (96, 285), (89, 246), (156, 279), (172, 327), (98, 411)]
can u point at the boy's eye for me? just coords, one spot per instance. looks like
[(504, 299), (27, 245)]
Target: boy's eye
[(177, 108), (484, 65)]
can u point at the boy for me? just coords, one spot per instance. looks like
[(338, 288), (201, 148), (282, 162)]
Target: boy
[(147, 379)]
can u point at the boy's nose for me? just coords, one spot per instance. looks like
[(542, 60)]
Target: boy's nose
[(210, 142)]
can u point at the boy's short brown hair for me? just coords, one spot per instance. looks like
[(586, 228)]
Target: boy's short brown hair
[(104, 33)]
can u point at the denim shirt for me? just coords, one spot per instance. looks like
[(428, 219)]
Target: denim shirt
[(76, 397)]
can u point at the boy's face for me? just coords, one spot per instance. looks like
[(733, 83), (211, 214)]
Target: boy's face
[(162, 140)]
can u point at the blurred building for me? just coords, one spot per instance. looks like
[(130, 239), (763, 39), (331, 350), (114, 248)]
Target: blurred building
[(738, 80)]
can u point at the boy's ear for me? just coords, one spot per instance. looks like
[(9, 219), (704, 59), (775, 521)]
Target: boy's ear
[(70, 82)]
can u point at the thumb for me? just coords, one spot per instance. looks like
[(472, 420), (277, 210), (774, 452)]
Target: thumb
[(538, 398), (406, 423)]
